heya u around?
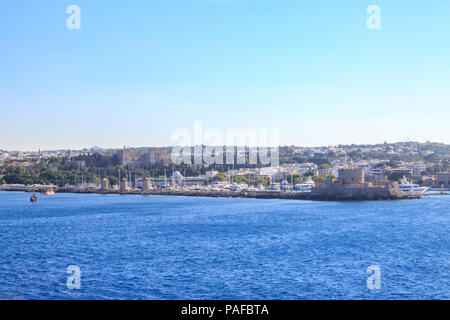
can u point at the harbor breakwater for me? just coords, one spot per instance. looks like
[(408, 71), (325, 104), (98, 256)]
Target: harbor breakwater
[(317, 194)]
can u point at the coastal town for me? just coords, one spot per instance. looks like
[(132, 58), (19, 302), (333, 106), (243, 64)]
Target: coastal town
[(355, 172), (224, 159)]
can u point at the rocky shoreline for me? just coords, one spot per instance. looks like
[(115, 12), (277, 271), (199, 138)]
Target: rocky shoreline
[(319, 195)]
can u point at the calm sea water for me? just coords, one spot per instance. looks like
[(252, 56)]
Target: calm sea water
[(152, 247)]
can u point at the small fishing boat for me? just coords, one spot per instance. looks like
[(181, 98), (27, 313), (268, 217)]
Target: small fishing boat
[(48, 192), (33, 198)]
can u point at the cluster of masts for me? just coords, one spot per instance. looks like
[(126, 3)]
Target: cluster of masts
[(177, 183)]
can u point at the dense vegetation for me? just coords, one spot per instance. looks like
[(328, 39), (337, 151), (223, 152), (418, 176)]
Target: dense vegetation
[(87, 169)]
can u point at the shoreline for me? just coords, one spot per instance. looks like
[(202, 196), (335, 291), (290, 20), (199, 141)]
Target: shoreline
[(221, 194)]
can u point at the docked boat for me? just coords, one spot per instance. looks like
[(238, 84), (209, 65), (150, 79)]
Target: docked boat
[(305, 186), (274, 187), (33, 198), (238, 187), (408, 187)]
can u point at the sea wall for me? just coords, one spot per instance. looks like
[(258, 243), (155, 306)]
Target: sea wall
[(331, 192), (318, 194), (338, 192)]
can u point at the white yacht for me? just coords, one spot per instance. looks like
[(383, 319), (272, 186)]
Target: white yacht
[(408, 187), (305, 186)]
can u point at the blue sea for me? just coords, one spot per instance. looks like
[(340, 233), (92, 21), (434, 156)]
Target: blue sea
[(155, 247)]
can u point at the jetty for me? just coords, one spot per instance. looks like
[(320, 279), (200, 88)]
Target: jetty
[(317, 194)]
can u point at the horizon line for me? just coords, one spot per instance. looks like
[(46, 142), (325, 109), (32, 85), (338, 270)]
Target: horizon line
[(205, 145)]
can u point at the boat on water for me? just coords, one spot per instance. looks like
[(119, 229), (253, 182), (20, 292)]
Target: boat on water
[(33, 198), (408, 187), (48, 192)]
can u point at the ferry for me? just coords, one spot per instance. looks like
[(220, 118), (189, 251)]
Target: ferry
[(408, 187)]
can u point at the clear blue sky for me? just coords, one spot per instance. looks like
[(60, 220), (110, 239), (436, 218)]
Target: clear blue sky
[(137, 70)]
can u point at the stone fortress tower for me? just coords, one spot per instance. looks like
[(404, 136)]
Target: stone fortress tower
[(353, 176), (351, 185)]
